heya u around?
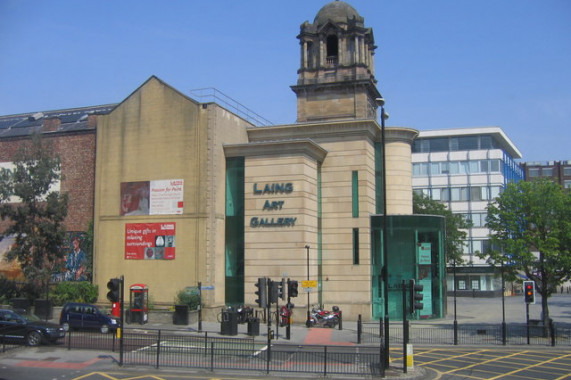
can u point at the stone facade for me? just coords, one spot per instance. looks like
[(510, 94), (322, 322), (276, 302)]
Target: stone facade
[(157, 133)]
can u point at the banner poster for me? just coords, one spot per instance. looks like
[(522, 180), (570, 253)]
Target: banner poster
[(427, 297), (161, 197), (150, 241), (424, 251)]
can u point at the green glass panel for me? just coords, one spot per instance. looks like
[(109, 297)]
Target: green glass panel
[(234, 231), (379, 200), (355, 193)]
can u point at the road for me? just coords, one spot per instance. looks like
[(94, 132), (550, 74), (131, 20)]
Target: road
[(442, 363), (495, 363)]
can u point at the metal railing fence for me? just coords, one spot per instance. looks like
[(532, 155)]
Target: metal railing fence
[(160, 348), (466, 334)]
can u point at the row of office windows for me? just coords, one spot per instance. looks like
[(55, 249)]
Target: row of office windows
[(421, 169), (472, 247), (547, 172), (478, 219), (461, 194), (451, 144)]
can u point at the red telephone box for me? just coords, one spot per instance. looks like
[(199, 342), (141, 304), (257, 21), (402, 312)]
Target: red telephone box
[(138, 303)]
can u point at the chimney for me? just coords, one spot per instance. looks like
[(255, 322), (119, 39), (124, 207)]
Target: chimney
[(92, 121), (51, 124)]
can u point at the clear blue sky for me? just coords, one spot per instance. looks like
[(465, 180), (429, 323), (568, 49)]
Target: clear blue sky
[(439, 63)]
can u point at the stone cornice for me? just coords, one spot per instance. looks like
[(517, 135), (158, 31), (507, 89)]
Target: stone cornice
[(289, 147), (402, 134), (331, 131)]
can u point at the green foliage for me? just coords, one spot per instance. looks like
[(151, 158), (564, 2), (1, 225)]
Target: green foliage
[(74, 291), (36, 223), (88, 249), (455, 225), (8, 290), (530, 225), (188, 297)]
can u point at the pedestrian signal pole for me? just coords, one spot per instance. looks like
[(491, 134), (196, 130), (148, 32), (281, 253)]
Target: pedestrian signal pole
[(404, 327), (528, 297), (116, 293)]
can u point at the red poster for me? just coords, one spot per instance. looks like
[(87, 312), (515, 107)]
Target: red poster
[(150, 241)]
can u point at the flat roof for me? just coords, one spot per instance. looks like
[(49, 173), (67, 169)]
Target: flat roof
[(496, 132)]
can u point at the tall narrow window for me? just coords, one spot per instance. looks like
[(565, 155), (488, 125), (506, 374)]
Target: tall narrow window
[(234, 231), (309, 53), (355, 246), (379, 187), (355, 193), (332, 46)]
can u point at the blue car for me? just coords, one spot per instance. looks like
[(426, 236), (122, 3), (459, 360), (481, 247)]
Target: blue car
[(85, 316)]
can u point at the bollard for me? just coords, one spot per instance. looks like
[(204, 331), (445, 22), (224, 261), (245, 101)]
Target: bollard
[(409, 357)]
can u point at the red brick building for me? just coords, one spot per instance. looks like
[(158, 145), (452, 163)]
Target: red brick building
[(71, 133)]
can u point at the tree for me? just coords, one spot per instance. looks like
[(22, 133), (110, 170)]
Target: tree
[(36, 219), (456, 225), (530, 225)]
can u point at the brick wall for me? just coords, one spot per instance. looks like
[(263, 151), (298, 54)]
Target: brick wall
[(77, 154)]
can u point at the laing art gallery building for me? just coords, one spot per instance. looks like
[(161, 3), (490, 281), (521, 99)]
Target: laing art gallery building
[(188, 191)]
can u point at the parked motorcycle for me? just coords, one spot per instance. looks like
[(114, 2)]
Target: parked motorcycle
[(245, 313), (324, 318), (285, 315)]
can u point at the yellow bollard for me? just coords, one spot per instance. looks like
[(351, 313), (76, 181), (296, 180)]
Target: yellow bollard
[(118, 333), (409, 357)]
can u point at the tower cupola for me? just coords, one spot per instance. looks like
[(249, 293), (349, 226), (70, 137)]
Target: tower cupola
[(336, 78)]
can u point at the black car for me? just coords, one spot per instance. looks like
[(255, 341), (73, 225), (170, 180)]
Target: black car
[(28, 328)]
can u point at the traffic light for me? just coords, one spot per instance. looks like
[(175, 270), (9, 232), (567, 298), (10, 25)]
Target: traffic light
[(292, 288), (282, 289), (261, 292), (114, 286), (529, 291), (274, 286), (415, 296)]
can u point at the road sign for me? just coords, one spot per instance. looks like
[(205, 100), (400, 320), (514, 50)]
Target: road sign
[(309, 284)]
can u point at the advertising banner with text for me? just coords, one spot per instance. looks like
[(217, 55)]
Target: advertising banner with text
[(161, 197), (150, 241)]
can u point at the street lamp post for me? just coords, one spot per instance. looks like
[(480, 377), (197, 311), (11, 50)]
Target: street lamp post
[(384, 116), (307, 249), (504, 327), (455, 320)]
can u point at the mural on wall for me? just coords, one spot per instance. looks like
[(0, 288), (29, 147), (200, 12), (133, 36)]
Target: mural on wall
[(150, 241), (161, 197), (9, 269), (73, 265)]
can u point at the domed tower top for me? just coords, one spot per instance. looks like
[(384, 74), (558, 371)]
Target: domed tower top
[(336, 76), (338, 12)]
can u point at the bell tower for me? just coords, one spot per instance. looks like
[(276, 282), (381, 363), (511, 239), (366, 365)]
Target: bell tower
[(336, 78)]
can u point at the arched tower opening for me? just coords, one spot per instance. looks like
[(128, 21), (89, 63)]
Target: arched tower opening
[(332, 49)]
